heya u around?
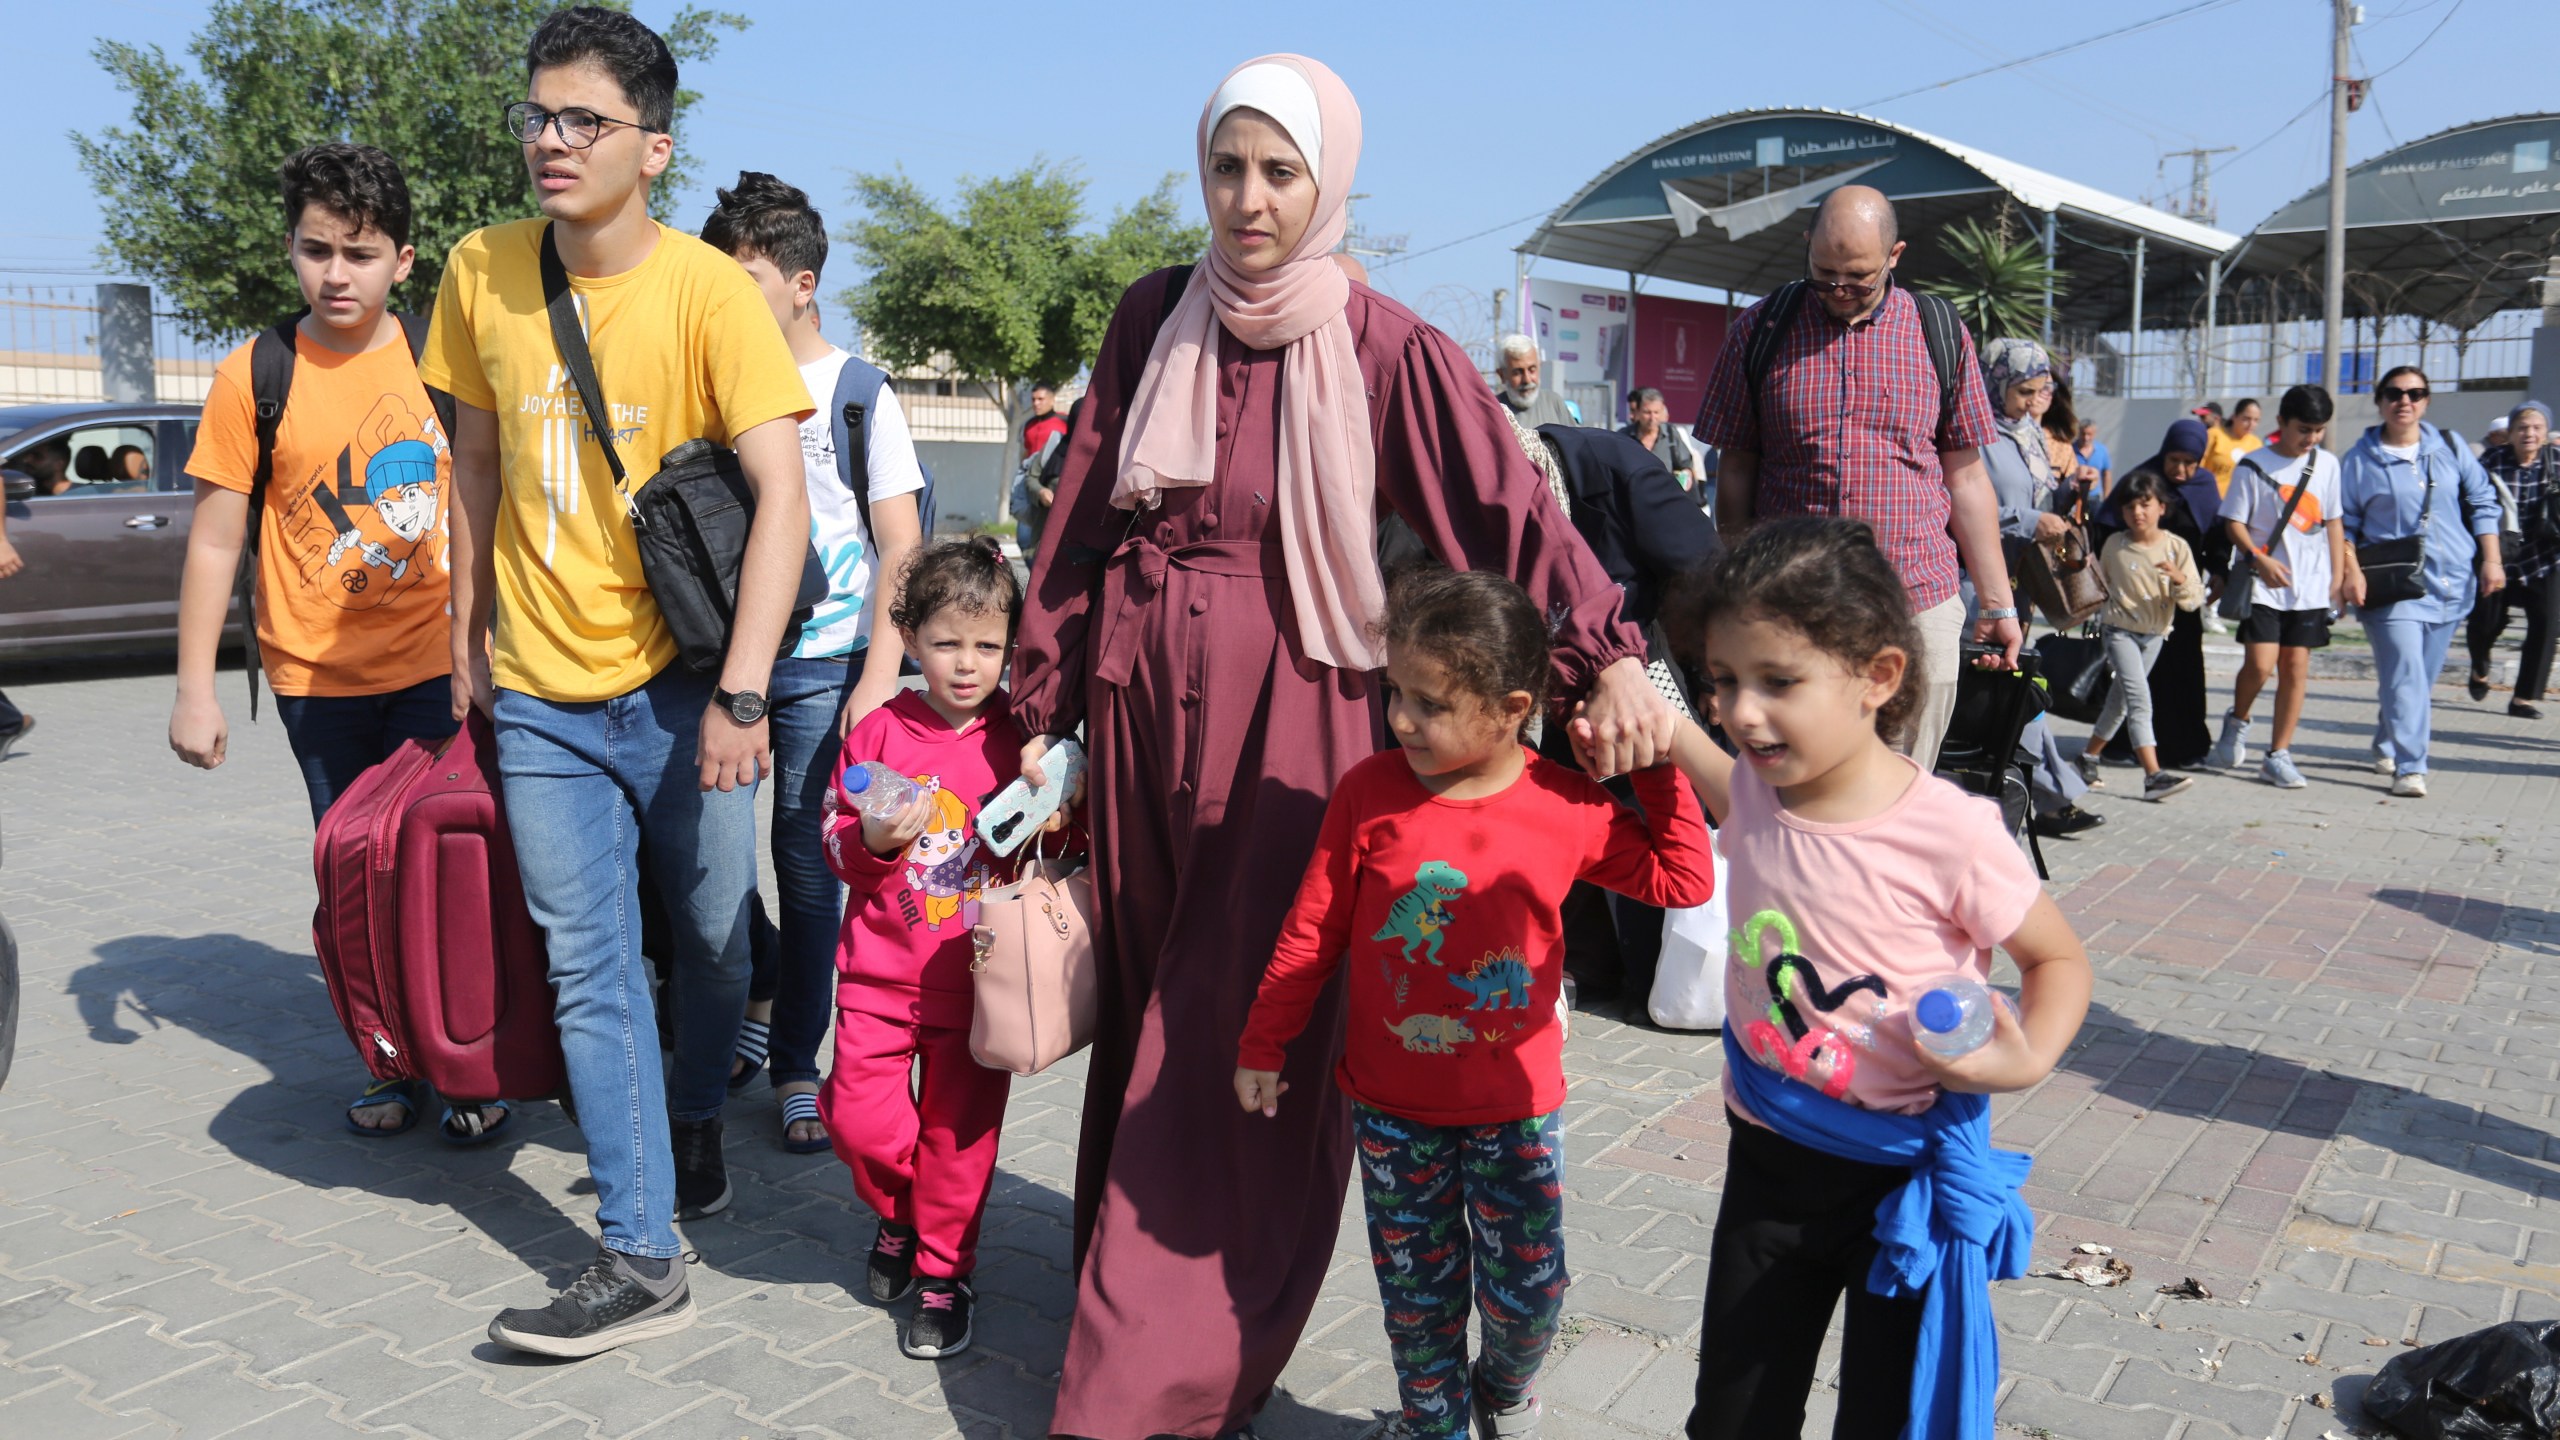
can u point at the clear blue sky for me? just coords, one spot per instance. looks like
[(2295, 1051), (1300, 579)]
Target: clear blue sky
[(1476, 114)]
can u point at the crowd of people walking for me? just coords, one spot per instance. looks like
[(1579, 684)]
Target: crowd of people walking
[(1400, 692)]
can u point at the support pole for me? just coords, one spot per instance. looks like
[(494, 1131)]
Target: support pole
[(2133, 352), (1519, 294), (2333, 271), (2206, 378), (2048, 279)]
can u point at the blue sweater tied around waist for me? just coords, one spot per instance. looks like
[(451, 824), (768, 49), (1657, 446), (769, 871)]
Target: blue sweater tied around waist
[(1955, 1227)]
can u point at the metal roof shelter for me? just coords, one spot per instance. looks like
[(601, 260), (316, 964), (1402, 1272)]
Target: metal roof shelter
[(2452, 227), (1726, 203)]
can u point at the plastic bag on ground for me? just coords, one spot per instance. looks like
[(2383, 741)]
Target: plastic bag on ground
[(2502, 1383), (1688, 981)]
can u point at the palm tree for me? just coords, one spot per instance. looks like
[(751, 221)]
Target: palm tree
[(1997, 285)]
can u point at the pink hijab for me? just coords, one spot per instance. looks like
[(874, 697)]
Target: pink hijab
[(1327, 481)]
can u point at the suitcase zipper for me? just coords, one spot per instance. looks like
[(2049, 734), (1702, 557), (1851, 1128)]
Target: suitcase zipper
[(383, 1043)]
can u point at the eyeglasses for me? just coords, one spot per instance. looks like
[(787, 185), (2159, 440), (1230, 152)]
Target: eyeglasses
[(2393, 394), (579, 127), (1846, 290)]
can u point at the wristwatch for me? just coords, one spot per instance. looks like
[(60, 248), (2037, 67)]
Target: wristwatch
[(745, 706), (2004, 612)]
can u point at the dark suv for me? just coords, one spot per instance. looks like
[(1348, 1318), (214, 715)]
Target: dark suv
[(98, 505)]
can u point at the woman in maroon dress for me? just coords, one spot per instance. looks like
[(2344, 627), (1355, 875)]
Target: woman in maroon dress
[(1203, 605)]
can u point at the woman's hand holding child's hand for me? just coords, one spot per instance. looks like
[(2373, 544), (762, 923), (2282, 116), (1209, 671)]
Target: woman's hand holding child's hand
[(1260, 1090), (893, 835)]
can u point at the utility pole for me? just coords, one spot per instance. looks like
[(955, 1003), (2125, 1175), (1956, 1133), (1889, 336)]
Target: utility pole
[(2199, 204), (2333, 272)]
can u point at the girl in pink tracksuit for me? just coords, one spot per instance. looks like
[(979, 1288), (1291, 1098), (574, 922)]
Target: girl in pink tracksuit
[(923, 1154)]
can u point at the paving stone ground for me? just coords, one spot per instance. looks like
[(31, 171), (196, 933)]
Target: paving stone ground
[(2319, 1080)]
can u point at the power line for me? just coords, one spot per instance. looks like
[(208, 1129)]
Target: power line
[(1463, 239), (2421, 45), (2181, 13)]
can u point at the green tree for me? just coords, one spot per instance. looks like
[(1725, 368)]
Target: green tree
[(1007, 282), (188, 188), (1998, 285)]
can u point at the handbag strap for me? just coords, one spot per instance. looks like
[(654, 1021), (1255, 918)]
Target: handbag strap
[(570, 338)]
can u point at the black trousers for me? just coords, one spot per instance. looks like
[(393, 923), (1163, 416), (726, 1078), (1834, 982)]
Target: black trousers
[(2539, 599), (1796, 1230)]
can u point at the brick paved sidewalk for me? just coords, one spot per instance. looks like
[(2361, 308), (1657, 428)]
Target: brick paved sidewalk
[(2318, 1080)]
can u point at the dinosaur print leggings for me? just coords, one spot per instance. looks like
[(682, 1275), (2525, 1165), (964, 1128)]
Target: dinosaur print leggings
[(1454, 1209)]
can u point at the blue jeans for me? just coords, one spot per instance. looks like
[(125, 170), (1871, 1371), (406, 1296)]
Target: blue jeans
[(336, 738), (584, 782), (2407, 657), (808, 698)]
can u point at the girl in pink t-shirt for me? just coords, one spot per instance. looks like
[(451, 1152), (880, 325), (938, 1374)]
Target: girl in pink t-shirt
[(1857, 880)]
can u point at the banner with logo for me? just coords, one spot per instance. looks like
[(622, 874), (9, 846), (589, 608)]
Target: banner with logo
[(1675, 347), (1581, 332)]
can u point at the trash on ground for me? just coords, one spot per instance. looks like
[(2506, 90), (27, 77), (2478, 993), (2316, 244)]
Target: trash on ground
[(2098, 1271), (2190, 1288), (2501, 1383)]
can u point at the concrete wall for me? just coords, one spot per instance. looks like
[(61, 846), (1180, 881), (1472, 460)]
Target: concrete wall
[(2132, 428), (971, 480)]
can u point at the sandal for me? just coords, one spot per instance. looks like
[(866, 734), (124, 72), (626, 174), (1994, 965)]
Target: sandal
[(378, 1093), (755, 1041), (464, 1126), (801, 1106)]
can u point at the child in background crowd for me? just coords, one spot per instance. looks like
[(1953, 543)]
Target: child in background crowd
[(923, 1153), (2151, 575), (2299, 576), (1439, 873), (1861, 882)]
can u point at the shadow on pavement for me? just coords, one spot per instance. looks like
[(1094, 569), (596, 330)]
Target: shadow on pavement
[(2228, 1083), (270, 1007)]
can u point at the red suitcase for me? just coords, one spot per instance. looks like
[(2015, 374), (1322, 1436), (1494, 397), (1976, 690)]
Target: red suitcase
[(435, 966)]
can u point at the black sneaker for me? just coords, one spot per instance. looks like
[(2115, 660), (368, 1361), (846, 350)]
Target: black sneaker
[(2069, 820), (702, 1175), (940, 1328), (893, 1263), (611, 1304)]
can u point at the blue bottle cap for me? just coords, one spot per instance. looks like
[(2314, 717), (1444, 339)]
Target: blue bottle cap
[(858, 779), (1939, 1010)]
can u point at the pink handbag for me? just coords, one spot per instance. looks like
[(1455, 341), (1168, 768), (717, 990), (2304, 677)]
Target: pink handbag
[(1035, 970)]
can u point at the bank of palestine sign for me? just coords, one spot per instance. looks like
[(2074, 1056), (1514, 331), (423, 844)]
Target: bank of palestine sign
[(2496, 171), (1749, 172)]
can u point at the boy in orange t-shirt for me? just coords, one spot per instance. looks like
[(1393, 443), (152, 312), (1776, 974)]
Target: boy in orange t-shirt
[(352, 578)]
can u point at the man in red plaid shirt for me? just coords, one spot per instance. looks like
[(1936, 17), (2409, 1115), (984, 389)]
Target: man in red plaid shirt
[(1848, 423)]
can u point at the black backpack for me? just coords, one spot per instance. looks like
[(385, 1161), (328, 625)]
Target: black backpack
[(1940, 327), (271, 364)]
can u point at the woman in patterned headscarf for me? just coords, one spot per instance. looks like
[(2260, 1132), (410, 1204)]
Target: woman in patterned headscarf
[(2018, 373)]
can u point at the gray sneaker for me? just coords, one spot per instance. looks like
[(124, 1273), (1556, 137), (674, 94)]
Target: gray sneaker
[(2232, 750), (610, 1304), (2087, 765), (2164, 785), (2279, 770), (1518, 1421)]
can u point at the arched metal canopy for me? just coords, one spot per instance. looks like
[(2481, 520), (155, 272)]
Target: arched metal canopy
[(2451, 227), (1725, 203)]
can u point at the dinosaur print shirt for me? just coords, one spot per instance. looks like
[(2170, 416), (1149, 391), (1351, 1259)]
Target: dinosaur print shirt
[(1839, 928), (1447, 913), (905, 949)]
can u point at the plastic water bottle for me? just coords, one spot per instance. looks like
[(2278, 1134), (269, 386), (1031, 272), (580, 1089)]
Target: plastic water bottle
[(878, 791), (1953, 1016)]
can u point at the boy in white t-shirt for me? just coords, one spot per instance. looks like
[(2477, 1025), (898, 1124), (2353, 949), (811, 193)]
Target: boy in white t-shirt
[(2297, 575), (846, 662)]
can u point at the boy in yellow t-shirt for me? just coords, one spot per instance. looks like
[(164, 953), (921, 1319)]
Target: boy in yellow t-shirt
[(352, 578), (604, 741)]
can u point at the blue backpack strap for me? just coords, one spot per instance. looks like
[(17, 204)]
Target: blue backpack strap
[(848, 412)]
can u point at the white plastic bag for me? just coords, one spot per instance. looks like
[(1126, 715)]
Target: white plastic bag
[(1688, 983)]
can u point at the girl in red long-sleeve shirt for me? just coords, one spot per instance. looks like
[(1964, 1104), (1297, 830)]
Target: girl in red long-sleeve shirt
[(1438, 878)]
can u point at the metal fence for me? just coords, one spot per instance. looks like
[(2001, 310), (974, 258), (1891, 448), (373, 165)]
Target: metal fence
[(2263, 358), (49, 349)]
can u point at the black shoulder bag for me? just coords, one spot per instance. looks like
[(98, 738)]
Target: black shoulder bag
[(2240, 588), (691, 518), (2393, 568)]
